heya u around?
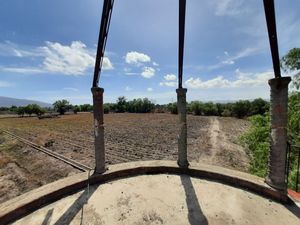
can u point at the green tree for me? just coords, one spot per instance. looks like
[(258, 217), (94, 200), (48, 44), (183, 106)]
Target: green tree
[(61, 106), (241, 108), (76, 109), (291, 62), (259, 106), (86, 108), (21, 111), (196, 107), (36, 109), (121, 104), (28, 109), (172, 108)]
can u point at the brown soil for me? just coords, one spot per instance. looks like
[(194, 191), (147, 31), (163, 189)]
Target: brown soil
[(128, 137)]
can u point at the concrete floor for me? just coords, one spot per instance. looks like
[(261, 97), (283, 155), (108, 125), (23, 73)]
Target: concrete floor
[(163, 199)]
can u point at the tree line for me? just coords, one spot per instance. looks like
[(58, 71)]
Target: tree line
[(30, 109), (239, 109)]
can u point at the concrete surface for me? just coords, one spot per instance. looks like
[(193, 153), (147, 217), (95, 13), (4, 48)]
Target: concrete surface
[(31, 201), (162, 199)]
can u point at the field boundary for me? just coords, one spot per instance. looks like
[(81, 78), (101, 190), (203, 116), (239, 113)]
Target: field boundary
[(22, 205)]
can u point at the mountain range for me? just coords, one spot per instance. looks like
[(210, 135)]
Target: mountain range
[(8, 102)]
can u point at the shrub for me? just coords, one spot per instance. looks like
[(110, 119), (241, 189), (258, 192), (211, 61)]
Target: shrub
[(172, 108), (257, 142)]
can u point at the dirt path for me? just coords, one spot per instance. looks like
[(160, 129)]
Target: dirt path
[(223, 151), (214, 138)]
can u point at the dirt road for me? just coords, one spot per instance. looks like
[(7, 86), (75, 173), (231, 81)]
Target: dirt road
[(223, 150)]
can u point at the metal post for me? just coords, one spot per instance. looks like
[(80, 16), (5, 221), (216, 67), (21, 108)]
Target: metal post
[(182, 136), (99, 129), (276, 177)]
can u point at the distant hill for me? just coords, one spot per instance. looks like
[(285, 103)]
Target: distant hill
[(8, 102)]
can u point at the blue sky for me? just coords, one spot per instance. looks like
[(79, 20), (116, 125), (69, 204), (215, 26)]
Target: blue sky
[(47, 49)]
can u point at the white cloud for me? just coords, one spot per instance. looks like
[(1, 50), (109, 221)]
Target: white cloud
[(136, 58), (69, 60), (73, 59), (155, 64), (4, 84), (127, 88), (228, 7), (106, 64), (70, 89), (148, 72), (129, 72), (8, 48), (242, 80), (149, 89), (230, 60), (25, 70), (170, 77), (168, 83)]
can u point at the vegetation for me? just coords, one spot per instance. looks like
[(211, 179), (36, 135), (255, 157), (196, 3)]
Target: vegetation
[(24, 110), (61, 106), (291, 62), (257, 142), (257, 138)]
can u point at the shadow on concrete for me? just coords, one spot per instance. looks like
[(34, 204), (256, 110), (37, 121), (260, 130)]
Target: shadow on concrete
[(293, 208), (48, 216), (195, 214), (73, 210)]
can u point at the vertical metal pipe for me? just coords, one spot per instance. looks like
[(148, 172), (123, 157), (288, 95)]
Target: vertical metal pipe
[(182, 6), (271, 24), (104, 28)]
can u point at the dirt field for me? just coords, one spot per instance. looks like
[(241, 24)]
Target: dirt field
[(128, 137)]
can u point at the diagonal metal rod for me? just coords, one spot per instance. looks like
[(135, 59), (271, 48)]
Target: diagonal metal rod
[(182, 6), (104, 28), (271, 24)]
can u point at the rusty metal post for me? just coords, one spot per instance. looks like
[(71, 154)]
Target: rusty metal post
[(182, 136), (276, 177), (98, 129)]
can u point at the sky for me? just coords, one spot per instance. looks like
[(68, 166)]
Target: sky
[(48, 48)]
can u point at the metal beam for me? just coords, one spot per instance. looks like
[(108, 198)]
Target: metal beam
[(182, 6), (271, 24), (104, 28)]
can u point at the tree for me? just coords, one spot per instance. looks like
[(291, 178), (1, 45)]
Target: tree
[(291, 62), (86, 108), (28, 109), (36, 109), (21, 111), (196, 107), (121, 104), (61, 106), (241, 108), (76, 109), (172, 108), (259, 106)]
